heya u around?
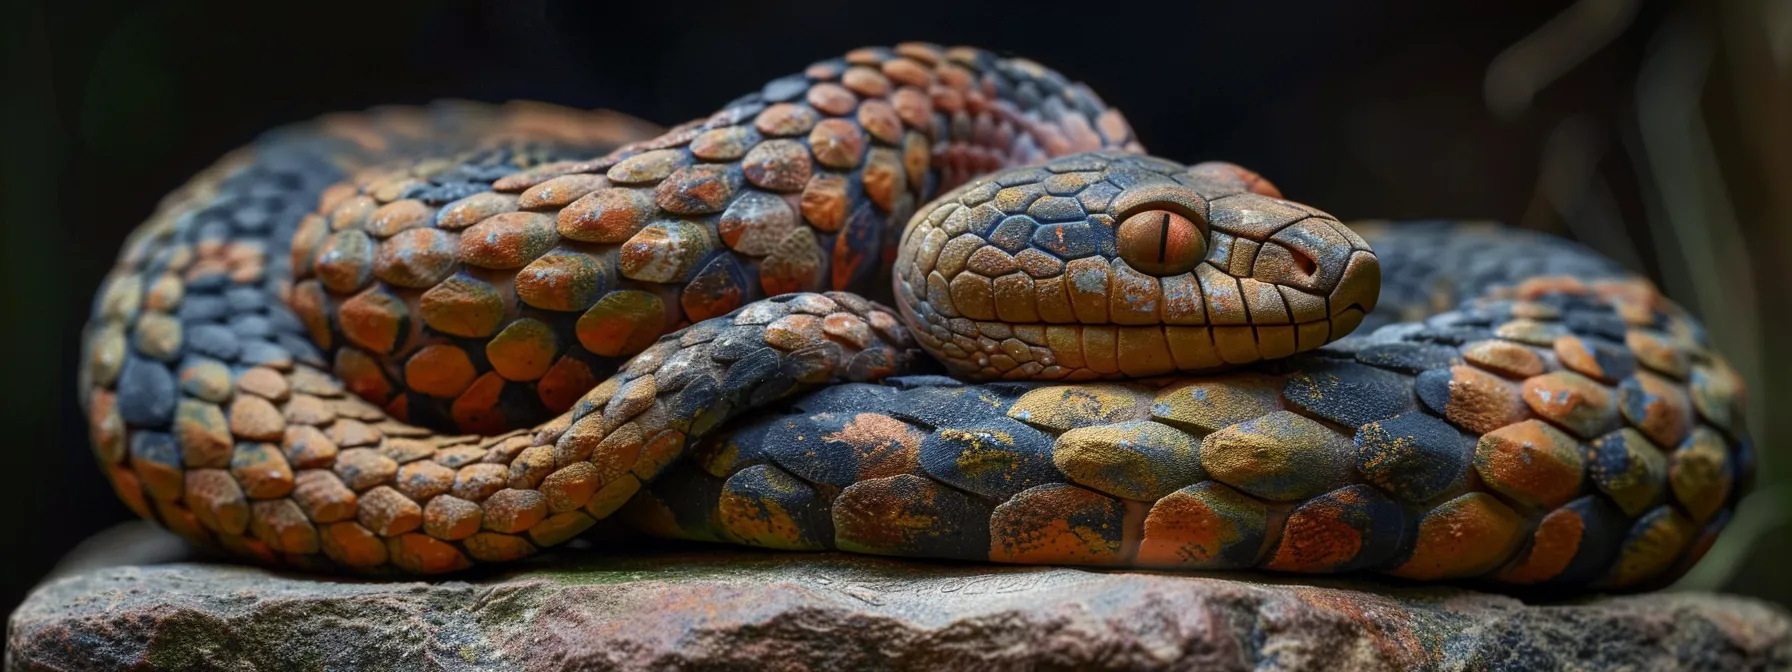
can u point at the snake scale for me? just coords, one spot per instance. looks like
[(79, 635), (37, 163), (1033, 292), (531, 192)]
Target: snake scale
[(416, 339)]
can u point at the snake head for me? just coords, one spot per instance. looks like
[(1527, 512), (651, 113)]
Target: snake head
[(1111, 265)]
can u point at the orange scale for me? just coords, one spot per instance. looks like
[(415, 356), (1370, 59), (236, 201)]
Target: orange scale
[(1700, 545), (374, 320), (1348, 528), (439, 370), (778, 165), (837, 143), (1540, 286), (1464, 537), (647, 167), (665, 251), (497, 547), (623, 322), (344, 261), (509, 240), (822, 71), (564, 383), (785, 119), (764, 506), (1718, 394), (1573, 401), (914, 108), (472, 209), (880, 119), (1553, 546), (311, 305), (866, 81), (1057, 524), (352, 212), (884, 177), (251, 550), (1504, 357), (397, 216), (476, 410), (881, 446), (1204, 526), (1652, 350), (416, 258), (561, 190), (832, 99), (608, 215), (419, 553), (723, 144), (129, 489), (462, 306), (360, 372), (824, 202), (399, 408), (907, 71), (698, 190), (524, 350), (716, 290), (1661, 409), (1531, 463), (564, 280)]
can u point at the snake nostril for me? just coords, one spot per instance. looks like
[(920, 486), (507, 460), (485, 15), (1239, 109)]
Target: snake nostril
[(1305, 263)]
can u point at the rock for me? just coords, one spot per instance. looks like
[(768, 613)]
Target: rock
[(708, 607)]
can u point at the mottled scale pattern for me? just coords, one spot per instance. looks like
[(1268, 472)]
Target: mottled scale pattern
[(214, 408), (1567, 430), (492, 304), (413, 340), (416, 339)]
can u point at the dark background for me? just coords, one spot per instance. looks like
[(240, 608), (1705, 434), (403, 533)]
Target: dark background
[(1654, 131)]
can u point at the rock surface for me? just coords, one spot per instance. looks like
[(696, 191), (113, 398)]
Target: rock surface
[(696, 608)]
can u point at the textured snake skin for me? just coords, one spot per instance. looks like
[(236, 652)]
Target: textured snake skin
[(1569, 429), (418, 339)]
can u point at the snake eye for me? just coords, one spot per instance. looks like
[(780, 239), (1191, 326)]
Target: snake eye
[(1160, 242)]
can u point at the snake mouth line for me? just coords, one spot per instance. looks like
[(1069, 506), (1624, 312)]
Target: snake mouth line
[(987, 349)]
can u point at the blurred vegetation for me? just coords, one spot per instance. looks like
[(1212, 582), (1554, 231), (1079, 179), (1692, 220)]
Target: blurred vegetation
[(1714, 101), (1705, 138)]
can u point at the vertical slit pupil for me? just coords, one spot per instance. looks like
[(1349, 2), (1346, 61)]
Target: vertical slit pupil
[(1163, 240)]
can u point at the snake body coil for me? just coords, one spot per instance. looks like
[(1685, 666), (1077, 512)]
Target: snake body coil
[(419, 339)]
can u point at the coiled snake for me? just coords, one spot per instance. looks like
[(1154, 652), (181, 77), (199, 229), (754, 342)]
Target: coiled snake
[(417, 339)]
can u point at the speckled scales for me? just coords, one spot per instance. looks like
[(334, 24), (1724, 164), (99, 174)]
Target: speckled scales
[(419, 339), (494, 310), (1404, 451)]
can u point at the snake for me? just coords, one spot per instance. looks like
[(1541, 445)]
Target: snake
[(412, 340)]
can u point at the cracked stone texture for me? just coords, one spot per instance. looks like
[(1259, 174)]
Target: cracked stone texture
[(691, 607)]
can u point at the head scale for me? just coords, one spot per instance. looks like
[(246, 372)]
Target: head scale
[(1109, 265)]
